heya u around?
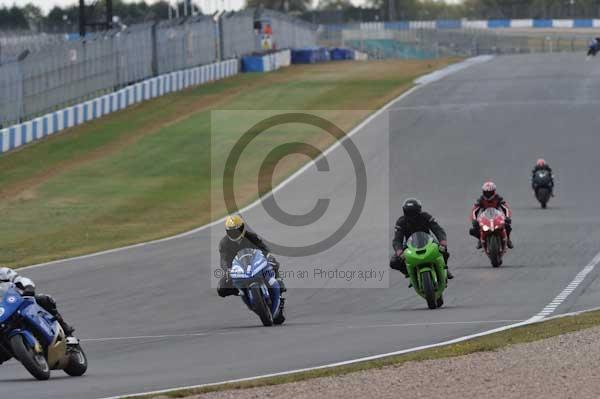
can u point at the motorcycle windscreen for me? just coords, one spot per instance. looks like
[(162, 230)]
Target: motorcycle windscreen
[(542, 178), (491, 213), (249, 261), (10, 301), (419, 240)]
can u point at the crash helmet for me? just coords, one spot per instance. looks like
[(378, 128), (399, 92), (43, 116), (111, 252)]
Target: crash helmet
[(411, 208), (489, 190), (7, 274), (235, 227), (540, 163)]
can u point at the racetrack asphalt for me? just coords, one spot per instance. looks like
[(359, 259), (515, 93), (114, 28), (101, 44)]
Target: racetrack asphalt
[(150, 320)]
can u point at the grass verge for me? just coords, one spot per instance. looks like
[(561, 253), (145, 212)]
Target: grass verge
[(144, 173), (492, 342)]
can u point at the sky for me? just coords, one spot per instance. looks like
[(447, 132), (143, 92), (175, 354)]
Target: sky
[(208, 5), (46, 5)]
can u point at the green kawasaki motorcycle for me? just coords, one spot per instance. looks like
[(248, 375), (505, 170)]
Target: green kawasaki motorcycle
[(426, 268)]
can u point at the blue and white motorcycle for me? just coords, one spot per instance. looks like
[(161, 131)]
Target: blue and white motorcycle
[(254, 277), (31, 335)]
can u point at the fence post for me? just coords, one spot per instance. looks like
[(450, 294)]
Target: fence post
[(219, 47), (154, 39)]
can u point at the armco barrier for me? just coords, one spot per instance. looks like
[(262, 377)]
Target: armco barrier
[(52, 123), (266, 63)]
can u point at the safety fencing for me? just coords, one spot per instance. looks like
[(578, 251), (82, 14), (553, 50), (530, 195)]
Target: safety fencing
[(13, 44), (430, 43), (470, 24), (59, 74), (52, 123)]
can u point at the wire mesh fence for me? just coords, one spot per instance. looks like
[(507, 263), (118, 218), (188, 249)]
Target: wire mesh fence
[(58, 72), (429, 43), (14, 43)]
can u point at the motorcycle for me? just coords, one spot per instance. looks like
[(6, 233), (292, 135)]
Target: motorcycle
[(542, 186), (492, 230), (32, 336), (426, 268), (254, 277), (593, 48)]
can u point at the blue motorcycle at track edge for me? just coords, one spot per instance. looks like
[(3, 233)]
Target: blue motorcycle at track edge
[(34, 337), (254, 277)]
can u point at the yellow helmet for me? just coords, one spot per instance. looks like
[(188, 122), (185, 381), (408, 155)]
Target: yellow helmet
[(235, 227)]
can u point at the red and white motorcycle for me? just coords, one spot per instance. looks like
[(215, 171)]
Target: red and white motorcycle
[(492, 231)]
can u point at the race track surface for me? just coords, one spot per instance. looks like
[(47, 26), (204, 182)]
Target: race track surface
[(150, 320)]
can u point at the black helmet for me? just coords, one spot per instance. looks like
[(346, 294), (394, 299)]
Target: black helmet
[(411, 207)]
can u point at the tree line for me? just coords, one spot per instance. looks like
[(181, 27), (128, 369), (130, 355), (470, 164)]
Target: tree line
[(30, 17), (59, 19)]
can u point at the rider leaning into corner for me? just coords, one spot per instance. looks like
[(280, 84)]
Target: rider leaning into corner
[(490, 199), (239, 237), (413, 221), (26, 287), (541, 164)]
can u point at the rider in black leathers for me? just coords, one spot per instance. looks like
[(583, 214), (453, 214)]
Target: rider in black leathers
[(239, 237), (541, 164), (415, 220)]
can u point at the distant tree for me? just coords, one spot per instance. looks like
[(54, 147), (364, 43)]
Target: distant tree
[(34, 16), (159, 10), (281, 5), (334, 5), (13, 18)]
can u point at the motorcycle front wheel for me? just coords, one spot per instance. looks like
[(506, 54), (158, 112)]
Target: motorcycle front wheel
[(493, 246), (429, 291), (260, 306), (34, 362)]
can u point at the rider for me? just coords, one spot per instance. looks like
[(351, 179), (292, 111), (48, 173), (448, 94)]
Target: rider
[(414, 220), (26, 287), (239, 237), (542, 165), (490, 199)]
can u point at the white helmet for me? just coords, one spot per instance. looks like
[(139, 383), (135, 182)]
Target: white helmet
[(7, 274)]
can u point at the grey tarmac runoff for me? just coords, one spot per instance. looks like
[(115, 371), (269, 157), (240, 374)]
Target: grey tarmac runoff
[(149, 319)]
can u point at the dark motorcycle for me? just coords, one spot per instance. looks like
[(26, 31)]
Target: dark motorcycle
[(593, 49), (542, 186)]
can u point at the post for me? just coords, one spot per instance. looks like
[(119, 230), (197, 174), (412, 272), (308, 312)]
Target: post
[(109, 14), (82, 18), (153, 36), (20, 60)]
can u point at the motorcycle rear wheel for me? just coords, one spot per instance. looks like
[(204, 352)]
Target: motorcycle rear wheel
[(78, 363), (260, 307), (35, 363)]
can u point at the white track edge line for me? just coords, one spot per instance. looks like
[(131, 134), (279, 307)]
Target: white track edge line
[(356, 129), (570, 288), (359, 360)]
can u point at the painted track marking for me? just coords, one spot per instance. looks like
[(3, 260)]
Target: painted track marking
[(564, 294), (204, 334)]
